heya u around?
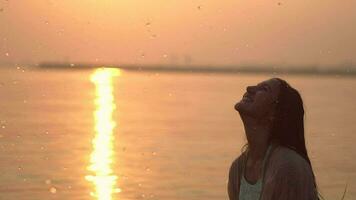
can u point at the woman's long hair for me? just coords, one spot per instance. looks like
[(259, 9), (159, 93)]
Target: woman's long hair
[(288, 126)]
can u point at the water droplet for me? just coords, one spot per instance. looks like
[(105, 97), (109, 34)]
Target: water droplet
[(46, 22), (53, 190), (7, 54), (143, 55), (72, 65), (48, 181), (3, 126), (165, 55), (154, 153)]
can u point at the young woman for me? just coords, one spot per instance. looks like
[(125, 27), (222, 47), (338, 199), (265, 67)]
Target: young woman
[(275, 163)]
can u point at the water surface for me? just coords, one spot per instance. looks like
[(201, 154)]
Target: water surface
[(128, 135)]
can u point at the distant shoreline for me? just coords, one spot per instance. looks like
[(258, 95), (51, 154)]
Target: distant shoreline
[(207, 69)]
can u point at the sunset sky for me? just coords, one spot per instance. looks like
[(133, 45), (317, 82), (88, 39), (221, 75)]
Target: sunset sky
[(195, 32)]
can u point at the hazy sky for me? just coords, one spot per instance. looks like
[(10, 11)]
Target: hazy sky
[(213, 32)]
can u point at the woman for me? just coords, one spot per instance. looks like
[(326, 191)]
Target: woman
[(275, 163)]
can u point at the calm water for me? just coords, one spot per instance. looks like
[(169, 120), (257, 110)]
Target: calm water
[(127, 135)]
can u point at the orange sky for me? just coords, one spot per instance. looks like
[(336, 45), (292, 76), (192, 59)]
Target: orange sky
[(213, 32)]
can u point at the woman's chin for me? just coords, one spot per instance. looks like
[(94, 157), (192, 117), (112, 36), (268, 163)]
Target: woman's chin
[(242, 106), (239, 105)]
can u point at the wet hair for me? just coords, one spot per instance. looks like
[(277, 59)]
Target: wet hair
[(289, 118), (288, 126)]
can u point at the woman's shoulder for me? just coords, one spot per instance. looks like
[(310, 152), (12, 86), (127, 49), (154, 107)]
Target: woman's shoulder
[(236, 164), (289, 176), (288, 155), (237, 160), (288, 160)]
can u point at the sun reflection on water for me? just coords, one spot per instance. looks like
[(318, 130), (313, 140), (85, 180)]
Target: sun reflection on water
[(102, 156)]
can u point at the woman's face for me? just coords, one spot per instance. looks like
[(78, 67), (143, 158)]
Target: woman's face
[(259, 101)]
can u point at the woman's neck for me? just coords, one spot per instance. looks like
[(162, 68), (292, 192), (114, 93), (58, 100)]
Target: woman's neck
[(257, 152), (257, 135)]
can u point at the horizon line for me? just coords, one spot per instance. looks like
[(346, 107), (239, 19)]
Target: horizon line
[(306, 69)]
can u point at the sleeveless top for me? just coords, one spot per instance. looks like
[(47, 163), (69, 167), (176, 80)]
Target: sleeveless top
[(252, 191)]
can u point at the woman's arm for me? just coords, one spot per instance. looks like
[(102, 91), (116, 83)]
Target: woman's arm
[(232, 182)]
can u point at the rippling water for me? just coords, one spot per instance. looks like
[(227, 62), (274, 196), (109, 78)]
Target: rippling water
[(110, 134)]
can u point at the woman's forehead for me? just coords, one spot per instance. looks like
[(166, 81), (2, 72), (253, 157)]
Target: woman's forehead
[(272, 83)]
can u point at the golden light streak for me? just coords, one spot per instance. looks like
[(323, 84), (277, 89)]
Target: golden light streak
[(101, 159)]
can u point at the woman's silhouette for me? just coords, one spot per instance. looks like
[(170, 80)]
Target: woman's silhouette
[(274, 164)]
